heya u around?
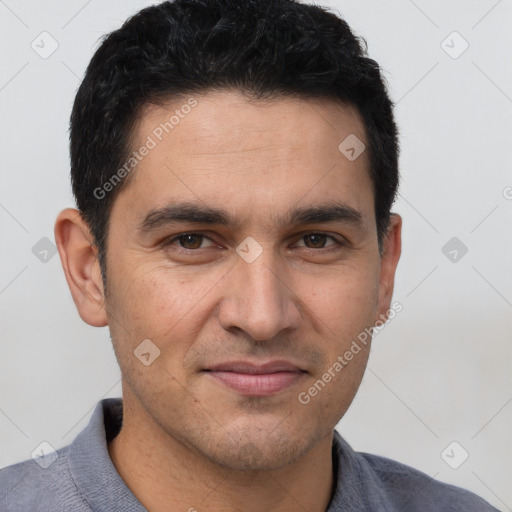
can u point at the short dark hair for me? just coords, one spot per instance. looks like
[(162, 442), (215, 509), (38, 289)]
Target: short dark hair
[(265, 49)]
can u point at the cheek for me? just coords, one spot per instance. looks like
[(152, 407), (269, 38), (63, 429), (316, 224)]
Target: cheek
[(157, 306), (344, 311), (165, 306), (346, 300)]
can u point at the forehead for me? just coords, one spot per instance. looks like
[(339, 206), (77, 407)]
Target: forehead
[(214, 121), (253, 156)]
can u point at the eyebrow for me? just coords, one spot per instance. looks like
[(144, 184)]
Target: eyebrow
[(187, 212)]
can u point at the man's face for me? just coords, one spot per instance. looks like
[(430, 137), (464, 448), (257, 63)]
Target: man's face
[(313, 287)]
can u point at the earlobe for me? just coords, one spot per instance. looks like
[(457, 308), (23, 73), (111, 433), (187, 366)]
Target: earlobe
[(78, 256), (392, 248)]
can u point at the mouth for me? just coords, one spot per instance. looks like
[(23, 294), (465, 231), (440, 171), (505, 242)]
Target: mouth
[(252, 379)]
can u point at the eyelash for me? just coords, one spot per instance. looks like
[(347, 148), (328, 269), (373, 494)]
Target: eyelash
[(337, 243)]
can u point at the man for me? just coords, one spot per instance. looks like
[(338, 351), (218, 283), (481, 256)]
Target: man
[(234, 167)]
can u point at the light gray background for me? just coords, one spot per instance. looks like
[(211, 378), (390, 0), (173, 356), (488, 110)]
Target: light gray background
[(439, 372)]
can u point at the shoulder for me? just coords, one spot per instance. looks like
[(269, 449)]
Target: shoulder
[(28, 485), (414, 490), (374, 483)]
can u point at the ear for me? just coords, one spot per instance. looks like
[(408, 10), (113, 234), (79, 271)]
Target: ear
[(78, 256), (391, 250)]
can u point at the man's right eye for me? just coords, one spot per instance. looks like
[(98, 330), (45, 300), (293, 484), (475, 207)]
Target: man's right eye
[(187, 241)]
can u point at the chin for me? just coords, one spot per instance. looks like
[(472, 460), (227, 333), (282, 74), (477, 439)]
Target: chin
[(253, 449)]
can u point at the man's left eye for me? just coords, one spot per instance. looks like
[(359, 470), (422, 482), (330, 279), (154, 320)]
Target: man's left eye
[(318, 240)]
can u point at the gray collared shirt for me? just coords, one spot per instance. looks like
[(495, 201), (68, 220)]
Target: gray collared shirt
[(82, 478)]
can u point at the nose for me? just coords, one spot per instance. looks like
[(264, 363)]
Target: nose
[(259, 300)]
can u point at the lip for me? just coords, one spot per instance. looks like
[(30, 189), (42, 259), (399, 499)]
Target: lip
[(256, 368), (248, 378)]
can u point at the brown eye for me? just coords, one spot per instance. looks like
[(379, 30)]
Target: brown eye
[(317, 240), (190, 241)]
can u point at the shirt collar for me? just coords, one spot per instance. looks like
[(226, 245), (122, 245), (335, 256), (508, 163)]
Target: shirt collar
[(91, 467), (357, 485)]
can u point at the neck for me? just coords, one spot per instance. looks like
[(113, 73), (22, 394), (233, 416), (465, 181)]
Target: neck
[(164, 474)]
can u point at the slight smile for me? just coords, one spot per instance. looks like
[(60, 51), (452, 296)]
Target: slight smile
[(257, 379)]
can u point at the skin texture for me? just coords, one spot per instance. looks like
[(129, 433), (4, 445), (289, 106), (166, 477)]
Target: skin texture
[(188, 441)]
